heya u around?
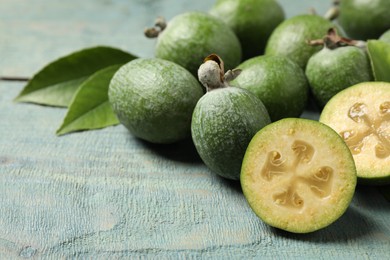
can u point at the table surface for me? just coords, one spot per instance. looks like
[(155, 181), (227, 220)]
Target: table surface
[(104, 193)]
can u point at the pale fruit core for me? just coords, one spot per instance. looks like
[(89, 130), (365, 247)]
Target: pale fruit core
[(373, 127), (298, 171)]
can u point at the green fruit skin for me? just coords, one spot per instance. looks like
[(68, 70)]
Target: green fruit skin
[(278, 82), (192, 36), (330, 71), (364, 19), (290, 38), (385, 36), (252, 20), (223, 123), (154, 99)]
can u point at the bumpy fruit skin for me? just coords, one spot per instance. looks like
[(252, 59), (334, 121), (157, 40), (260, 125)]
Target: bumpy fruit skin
[(223, 123), (154, 99), (191, 36), (298, 175), (252, 20), (278, 82), (331, 70), (360, 114), (364, 19), (290, 37)]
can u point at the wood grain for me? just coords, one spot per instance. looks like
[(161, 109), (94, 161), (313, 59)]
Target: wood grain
[(105, 194)]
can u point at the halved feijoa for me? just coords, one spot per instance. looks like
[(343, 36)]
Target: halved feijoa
[(298, 175), (361, 116)]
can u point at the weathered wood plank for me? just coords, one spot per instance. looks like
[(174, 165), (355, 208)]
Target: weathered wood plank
[(36, 32), (106, 194)]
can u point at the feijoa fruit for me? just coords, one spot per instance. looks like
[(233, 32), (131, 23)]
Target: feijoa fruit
[(361, 116), (364, 19), (298, 175), (224, 121), (154, 99), (191, 36), (252, 20), (340, 64), (278, 82), (290, 37)]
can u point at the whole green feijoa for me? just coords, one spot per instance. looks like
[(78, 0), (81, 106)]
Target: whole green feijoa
[(336, 67), (154, 99), (364, 19), (191, 36), (278, 82), (291, 36), (252, 20), (224, 121)]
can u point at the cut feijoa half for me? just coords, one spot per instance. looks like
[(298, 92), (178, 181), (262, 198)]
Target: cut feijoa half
[(298, 175), (361, 116)]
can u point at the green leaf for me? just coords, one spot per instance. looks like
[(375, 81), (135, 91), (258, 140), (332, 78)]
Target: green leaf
[(90, 108), (379, 53), (56, 83)]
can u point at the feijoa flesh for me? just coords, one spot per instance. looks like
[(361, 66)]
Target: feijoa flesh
[(298, 175), (291, 36), (191, 36), (154, 99), (224, 121), (252, 20), (278, 82), (360, 114)]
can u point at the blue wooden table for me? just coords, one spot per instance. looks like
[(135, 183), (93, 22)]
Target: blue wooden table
[(105, 194)]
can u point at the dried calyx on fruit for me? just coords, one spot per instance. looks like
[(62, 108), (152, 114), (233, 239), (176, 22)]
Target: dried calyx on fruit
[(159, 25), (212, 73), (333, 40)]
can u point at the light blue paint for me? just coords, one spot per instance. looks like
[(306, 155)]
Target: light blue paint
[(105, 194)]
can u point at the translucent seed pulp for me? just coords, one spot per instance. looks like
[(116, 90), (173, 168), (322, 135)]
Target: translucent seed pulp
[(373, 120), (318, 180)]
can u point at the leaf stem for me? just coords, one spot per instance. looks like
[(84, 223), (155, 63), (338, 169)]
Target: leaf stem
[(11, 78)]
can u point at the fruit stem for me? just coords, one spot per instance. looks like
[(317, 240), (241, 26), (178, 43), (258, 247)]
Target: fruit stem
[(211, 73), (332, 41), (333, 12), (159, 25)]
